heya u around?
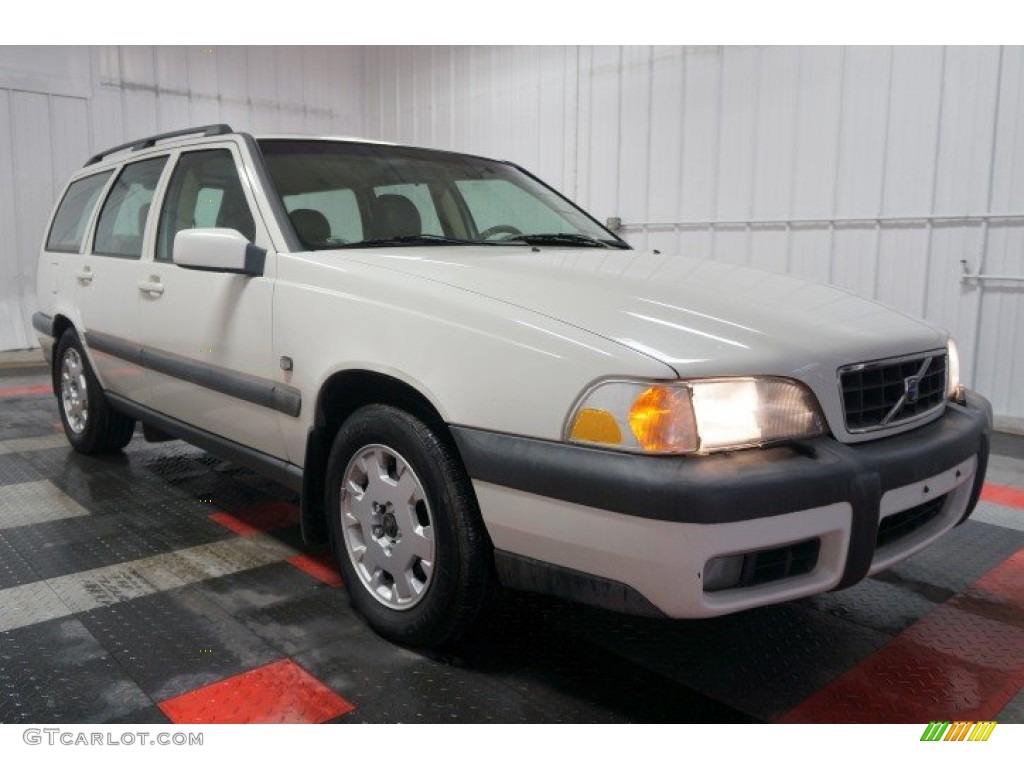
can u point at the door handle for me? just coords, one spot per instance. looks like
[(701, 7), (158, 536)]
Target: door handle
[(152, 286), (84, 275)]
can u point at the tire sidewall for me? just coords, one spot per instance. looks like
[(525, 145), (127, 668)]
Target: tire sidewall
[(425, 622), (84, 440)]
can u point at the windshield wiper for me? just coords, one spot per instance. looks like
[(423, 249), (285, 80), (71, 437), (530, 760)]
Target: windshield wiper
[(563, 238), (424, 239)]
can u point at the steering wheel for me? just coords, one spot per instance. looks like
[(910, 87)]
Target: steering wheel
[(498, 229)]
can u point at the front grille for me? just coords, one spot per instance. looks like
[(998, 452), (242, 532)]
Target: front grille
[(885, 393), (896, 527)]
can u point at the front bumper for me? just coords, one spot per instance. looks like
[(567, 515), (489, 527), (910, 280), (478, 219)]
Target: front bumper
[(642, 528)]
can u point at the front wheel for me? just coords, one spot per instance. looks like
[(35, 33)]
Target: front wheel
[(405, 528)]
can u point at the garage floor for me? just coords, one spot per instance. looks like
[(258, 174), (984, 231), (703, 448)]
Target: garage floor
[(165, 585)]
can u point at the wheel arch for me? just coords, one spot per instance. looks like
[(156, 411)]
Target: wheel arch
[(339, 397)]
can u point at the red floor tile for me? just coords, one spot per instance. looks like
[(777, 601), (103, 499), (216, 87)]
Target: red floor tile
[(1003, 494), (259, 518), (320, 566), (1002, 587), (963, 661), (34, 389), (232, 523), (908, 683), (282, 692)]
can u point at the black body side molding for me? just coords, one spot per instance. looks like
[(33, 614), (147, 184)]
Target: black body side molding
[(252, 389)]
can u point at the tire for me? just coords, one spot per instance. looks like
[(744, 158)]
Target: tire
[(391, 481), (90, 424)]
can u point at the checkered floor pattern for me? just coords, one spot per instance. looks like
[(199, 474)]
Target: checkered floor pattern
[(164, 585)]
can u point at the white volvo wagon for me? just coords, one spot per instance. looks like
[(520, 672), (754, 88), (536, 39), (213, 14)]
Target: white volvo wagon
[(473, 383)]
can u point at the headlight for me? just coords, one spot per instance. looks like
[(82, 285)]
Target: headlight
[(952, 371), (699, 416)]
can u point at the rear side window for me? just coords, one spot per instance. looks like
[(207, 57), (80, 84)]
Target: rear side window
[(123, 218), (204, 192), (73, 214)]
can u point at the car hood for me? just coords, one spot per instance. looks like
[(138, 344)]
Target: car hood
[(698, 316)]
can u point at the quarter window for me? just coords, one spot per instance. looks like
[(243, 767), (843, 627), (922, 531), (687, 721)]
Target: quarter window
[(73, 214), (204, 192), (122, 221)]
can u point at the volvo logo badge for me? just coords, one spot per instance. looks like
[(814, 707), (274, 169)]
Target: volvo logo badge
[(911, 389)]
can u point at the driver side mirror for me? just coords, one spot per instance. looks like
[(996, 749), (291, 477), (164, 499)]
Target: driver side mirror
[(218, 250)]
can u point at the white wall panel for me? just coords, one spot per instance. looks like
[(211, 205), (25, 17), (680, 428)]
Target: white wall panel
[(59, 105), (12, 325)]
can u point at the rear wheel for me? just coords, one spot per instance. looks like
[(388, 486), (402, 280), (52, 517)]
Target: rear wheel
[(91, 425), (405, 528)]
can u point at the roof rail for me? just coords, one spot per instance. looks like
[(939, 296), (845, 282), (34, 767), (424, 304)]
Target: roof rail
[(216, 129)]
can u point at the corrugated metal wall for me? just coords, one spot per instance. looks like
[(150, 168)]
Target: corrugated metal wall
[(876, 169), (60, 104)]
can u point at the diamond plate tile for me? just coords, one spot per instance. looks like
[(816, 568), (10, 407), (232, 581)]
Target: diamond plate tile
[(56, 672), (959, 557), (14, 569), (29, 604), (15, 469), (30, 444), (257, 588), (30, 416), (972, 638), (281, 692), (889, 608), (761, 662), (308, 620), (35, 502), (174, 642), (994, 514), (908, 683)]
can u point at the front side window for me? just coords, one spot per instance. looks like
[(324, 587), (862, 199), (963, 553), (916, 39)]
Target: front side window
[(73, 213), (350, 195), (204, 192), (122, 222)]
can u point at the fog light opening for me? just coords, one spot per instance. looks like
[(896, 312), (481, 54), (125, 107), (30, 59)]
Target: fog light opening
[(723, 573)]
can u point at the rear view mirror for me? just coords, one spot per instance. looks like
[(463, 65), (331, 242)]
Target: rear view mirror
[(218, 250)]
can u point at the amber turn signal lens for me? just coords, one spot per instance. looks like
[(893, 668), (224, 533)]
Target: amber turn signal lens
[(596, 426), (661, 420)]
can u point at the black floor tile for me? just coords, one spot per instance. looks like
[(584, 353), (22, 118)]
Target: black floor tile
[(14, 568), (14, 468), (956, 559), (879, 605), (176, 641), (57, 672)]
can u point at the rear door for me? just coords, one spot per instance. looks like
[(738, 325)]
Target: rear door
[(208, 334), (107, 278)]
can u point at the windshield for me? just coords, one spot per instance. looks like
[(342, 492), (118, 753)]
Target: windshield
[(344, 195)]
